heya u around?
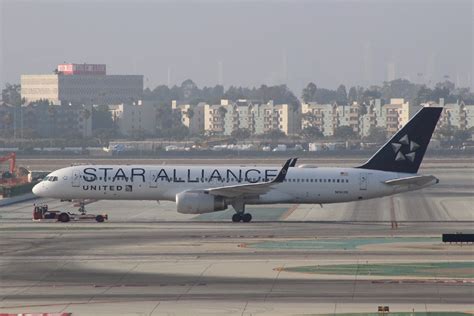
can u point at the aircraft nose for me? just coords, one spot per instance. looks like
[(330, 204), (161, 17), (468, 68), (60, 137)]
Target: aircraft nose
[(38, 189)]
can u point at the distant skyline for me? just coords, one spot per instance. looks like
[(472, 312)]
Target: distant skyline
[(244, 43)]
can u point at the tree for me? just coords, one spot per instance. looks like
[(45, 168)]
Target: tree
[(376, 135), (370, 94), (104, 135), (189, 114), (445, 133), (460, 136), (11, 94), (344, 132), (399, 88), (341, 94), (179, 132), (309, 93), (446, 84), (423, 95), (274, 134), (352, 95), (102, 118), (190, 89), (241, 134), (312, 132)]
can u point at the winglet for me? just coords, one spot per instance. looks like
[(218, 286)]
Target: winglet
[(293, 162), (282, 174)]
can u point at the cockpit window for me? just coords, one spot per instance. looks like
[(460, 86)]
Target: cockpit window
[(50, 178)]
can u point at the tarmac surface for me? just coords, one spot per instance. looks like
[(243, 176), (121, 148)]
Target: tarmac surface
[(150, 260)]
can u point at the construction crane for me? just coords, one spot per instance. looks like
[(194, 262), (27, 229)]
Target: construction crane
[(14, 175), (11, 157)]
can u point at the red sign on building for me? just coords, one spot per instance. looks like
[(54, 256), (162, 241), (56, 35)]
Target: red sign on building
[(82, 69)]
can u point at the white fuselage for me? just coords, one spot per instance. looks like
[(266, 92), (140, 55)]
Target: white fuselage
[(164, 182)]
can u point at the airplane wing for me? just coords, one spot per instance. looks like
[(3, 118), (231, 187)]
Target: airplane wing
[(417, 180), (252, 188)]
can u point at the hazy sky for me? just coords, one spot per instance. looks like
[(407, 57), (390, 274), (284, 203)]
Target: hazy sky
[(244, 42)]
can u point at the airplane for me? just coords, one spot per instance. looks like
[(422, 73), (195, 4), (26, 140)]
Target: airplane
[(203, 189)]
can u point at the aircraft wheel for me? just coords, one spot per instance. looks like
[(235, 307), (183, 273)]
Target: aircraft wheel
[(247, 217), (236, 217)]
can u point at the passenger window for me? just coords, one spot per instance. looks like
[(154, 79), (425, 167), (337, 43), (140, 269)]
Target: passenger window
[(337, 180)]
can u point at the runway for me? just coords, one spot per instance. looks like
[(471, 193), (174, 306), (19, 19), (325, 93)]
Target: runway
[(150, 260)]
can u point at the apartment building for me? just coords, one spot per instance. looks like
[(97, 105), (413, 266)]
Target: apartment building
[(361, 118), (136, 118), (258, 118), (322, 116), (192, 116), (328, 117), (458, 115)]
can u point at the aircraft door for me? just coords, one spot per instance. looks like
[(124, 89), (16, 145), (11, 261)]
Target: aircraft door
[(76, 178), (153, 179), (363, 180)]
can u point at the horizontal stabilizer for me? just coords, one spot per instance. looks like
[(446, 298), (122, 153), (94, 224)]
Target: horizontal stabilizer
[(416, 180)]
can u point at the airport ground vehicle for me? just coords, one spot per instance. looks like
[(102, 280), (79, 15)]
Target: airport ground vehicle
[(42, 212)]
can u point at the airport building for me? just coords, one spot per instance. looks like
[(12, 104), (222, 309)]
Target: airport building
[(82, 84)]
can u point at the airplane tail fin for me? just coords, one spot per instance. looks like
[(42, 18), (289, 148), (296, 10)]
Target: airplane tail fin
[(405, 150)]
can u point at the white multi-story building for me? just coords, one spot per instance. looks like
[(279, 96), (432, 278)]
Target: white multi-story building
[(375, 117), (133, 119), (321, 116), (192, 116), (228, 117), (328, 117), (361, 118), (458, 115)]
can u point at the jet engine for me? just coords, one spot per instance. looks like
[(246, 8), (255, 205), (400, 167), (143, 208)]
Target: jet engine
[(198, 202)]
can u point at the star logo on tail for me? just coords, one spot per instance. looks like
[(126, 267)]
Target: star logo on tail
[(409, 149)]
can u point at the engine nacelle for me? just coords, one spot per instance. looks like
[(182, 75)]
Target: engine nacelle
[(198, 202)]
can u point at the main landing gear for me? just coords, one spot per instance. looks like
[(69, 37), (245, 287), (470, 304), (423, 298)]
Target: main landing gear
[(240, 215), (244, 217)]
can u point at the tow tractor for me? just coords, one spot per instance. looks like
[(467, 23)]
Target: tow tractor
[(42, 212)]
